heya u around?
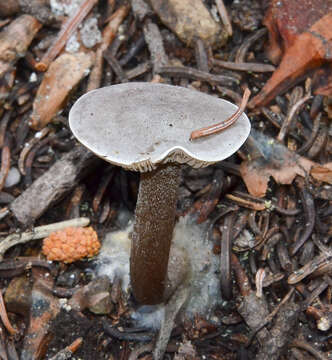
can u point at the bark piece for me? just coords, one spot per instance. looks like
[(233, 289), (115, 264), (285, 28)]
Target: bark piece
[(53, 185), (62, 76), (190, 19), (15, 40)]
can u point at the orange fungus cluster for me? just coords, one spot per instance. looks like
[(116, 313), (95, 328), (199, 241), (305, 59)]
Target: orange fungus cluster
[(71, 244)]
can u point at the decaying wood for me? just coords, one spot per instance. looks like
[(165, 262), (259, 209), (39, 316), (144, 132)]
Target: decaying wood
[(53, 185), (15, 40)]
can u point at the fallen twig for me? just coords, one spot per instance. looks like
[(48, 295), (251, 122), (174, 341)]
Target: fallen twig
[(247, 42), (245, 66), (66, 32), (309, 213), (288, 120), (304, 345), (194, 74), (4, 317), (224, 16), (28, 146)]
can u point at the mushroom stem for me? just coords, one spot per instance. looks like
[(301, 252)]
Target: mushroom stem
[(153, 231)]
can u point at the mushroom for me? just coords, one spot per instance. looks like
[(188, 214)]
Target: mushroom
[(146, 127)]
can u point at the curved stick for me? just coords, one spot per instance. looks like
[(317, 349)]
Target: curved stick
[(216, 128)]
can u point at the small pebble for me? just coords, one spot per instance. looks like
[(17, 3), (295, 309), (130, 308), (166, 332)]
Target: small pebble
[(13, 177), (90, 33)]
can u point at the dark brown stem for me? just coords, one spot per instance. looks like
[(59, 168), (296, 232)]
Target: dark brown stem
[(153, 231)]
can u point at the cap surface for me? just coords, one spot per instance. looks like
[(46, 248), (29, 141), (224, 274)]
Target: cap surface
[(139, 125)]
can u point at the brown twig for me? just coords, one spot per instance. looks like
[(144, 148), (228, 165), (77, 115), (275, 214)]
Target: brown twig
[(126, 336), (225, 257), (316, 264), (287, 122), (309, 213), (28, 146), (115, 65), (242, 279), (66, 32), (155, 43), (313, 134), (271, 315), (5, 165), (72, 210), (315, 294), (138, 70), (283, 256), (224, 16), (304, 345), (216, 128), (109, 34), (234, 96), (139, 350), (103, 184), (260, 275), (201, 55), (3, 126), (133, 50), (4, 316), (67, 352), (194, 74), (245, 66), (247, 42), (31, 156), (249, 204)]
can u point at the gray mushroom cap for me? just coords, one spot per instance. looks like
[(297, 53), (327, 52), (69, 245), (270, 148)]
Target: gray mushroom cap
[(140, 125)]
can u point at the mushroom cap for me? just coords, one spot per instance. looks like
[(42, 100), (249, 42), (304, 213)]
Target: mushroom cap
[(140, 125)]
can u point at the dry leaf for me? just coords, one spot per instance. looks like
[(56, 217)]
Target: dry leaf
[(61, 77), (190, 20), (15, 40), (306, 32), (287, 19), (275, 160)]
